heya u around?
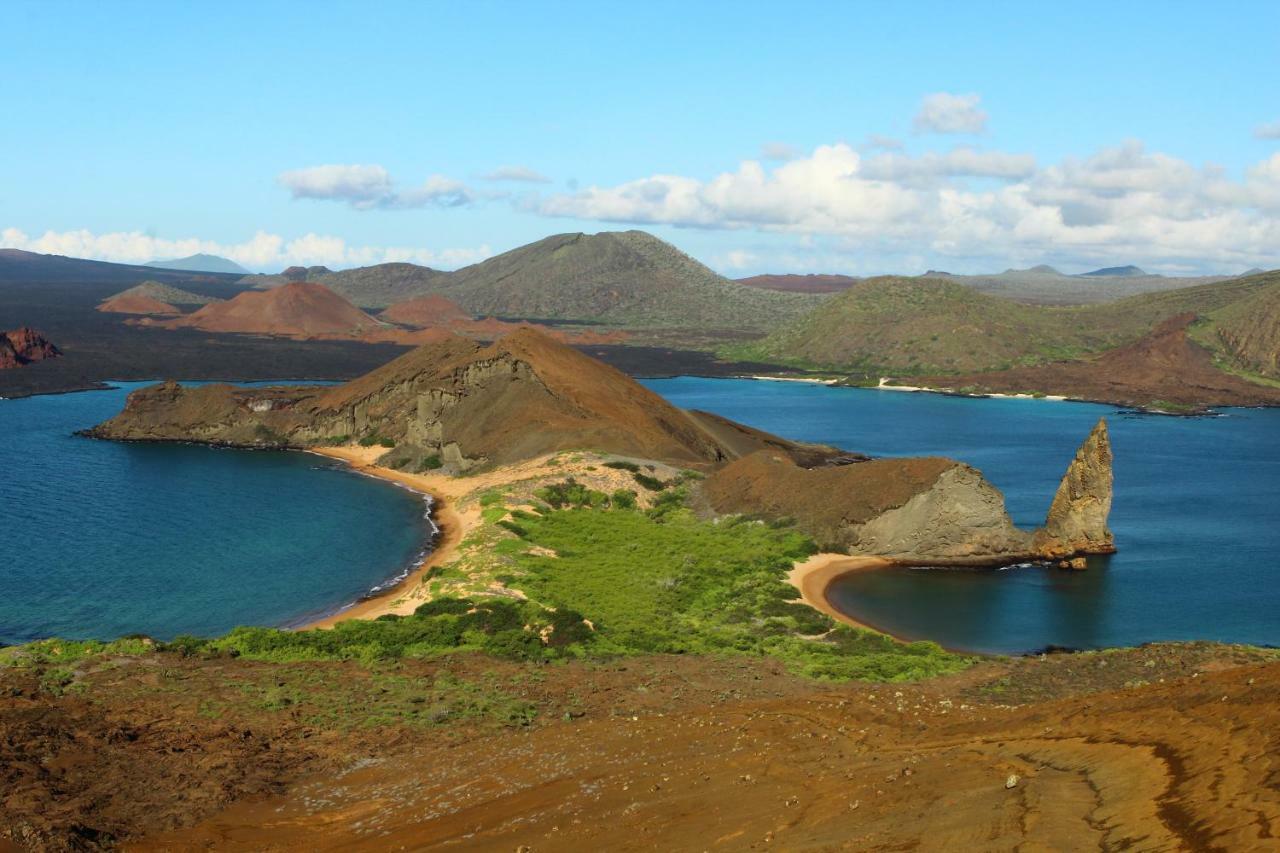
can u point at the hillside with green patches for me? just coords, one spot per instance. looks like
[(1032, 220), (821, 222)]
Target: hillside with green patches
[(923, 326), (166, 293), (599, 578), (614, 278), (1247, 332)]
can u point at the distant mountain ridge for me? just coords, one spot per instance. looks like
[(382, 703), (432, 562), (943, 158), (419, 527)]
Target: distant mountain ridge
[(627, 278), (200, 263)]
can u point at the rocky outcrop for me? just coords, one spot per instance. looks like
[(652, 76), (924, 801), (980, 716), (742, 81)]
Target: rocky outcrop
[(1077, 519), (925, 511), (25, 346)]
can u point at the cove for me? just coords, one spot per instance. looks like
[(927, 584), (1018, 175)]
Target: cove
[(102, 539), (1196, 514)]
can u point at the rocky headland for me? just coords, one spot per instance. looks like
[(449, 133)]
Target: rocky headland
[(457, 406)]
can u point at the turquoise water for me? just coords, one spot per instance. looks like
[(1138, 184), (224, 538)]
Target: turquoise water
[(102, 539), (1196, 514)]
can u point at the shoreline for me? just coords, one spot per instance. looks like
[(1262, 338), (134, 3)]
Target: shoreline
[(813, 576), (451, 526)]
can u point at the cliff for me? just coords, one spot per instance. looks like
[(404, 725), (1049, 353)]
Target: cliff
[(924, 511)]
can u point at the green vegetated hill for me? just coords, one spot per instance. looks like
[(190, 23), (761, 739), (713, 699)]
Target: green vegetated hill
[(624, 278), (935, 326), (629, 279), (167, 293), (1247, 331)]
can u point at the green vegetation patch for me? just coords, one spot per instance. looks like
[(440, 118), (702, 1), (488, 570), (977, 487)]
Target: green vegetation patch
[(665, 581)]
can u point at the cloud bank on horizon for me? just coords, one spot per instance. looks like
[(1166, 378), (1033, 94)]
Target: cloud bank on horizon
[(263, 251)]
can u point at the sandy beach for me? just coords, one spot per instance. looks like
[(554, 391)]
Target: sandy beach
[(403, 598), (813, 576)]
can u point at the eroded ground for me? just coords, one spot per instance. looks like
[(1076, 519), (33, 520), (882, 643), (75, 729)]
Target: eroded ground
[(1166, 747)]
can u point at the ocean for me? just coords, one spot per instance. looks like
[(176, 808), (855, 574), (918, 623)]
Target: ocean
[(102, 539), (1196, 514)]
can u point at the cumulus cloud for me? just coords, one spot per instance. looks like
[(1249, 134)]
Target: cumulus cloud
[(943, 112), (368, 187), (263, 251), (1122, 203), (516, 173), (778, 151), (1270, 130)]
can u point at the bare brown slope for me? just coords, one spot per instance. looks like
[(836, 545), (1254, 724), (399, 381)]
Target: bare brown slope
[(1164, 367), (425, 312), (1164, 747), (133, 304), (452, 398), (297, 309)]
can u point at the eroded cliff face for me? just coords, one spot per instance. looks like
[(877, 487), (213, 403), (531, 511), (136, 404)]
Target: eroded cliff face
[(924, 511), (927, 510), (1077, 519)]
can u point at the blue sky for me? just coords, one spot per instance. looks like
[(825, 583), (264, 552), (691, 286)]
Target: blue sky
[(758, 137)]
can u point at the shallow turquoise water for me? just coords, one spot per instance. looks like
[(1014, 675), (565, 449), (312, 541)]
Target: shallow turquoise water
[(1196, 514), (101, 539)]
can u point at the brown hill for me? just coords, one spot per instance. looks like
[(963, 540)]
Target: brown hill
[(133, 304), (452, 398), (794, 283), (425, 312), (25, 346), (297, 309), (1164, 369)]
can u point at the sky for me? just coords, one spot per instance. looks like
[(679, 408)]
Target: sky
[(758, 137)]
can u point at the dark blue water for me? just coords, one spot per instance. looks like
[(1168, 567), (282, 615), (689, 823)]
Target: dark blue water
[(101, 539), (1196, 514)]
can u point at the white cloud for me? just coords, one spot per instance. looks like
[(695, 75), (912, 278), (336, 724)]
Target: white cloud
[(1121, 203), (263, 251), (778, 151), (1270, 130), (943, 112), (366, 187), (516, 173)]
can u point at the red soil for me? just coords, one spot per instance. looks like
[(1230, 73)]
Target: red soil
[(297, 309), (24, 346)]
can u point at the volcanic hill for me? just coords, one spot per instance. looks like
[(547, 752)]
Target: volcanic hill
[(1122, 351), (425, 312), (620, 278), (200, 263), (153, 297), (297, 309)]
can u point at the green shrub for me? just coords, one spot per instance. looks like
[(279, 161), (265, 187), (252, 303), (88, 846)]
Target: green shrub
[(653, 484), (623, 466)]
